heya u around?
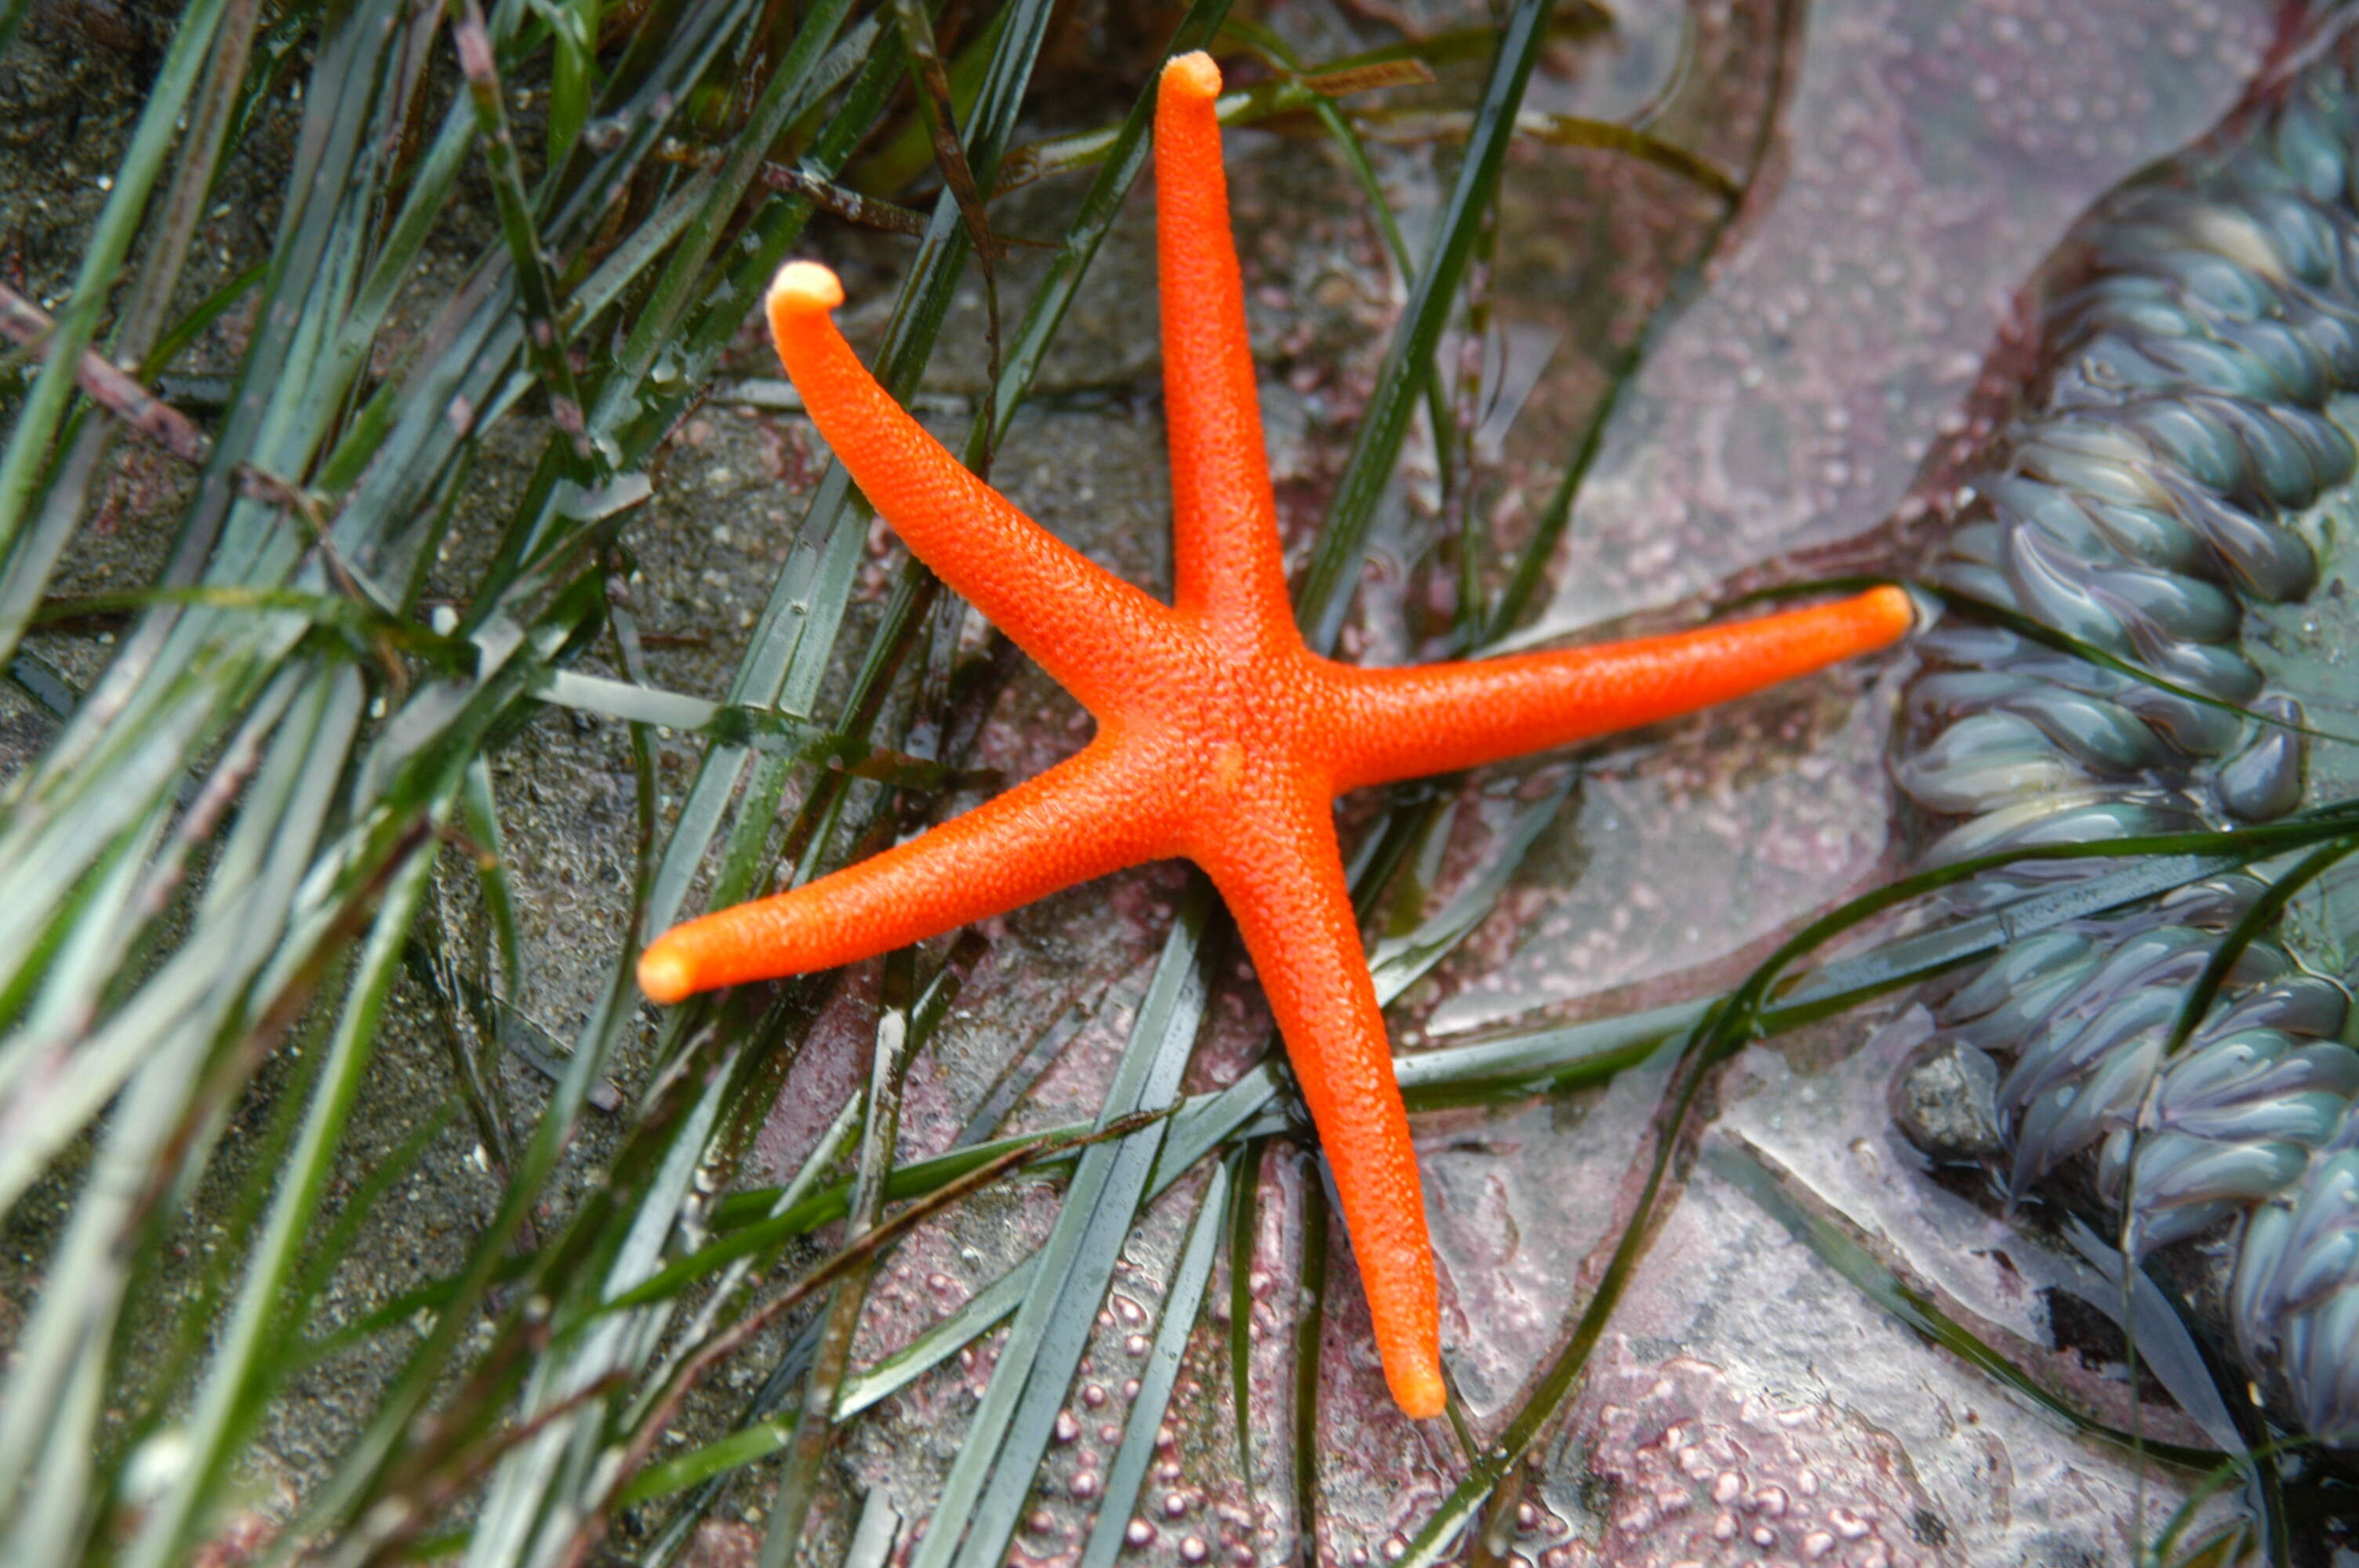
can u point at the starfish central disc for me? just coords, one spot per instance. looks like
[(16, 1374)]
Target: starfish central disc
[(1221, 736)]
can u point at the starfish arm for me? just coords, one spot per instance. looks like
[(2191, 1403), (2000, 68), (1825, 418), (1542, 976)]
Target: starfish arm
[(1225, 559), (1437, 718), (1078, 620), (1089, 814), (1283, 880)]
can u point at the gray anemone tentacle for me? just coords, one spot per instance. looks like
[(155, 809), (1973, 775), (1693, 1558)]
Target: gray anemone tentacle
[(2172, 477)]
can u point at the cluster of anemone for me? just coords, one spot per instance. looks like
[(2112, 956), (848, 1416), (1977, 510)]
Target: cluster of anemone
[(2169, 482)]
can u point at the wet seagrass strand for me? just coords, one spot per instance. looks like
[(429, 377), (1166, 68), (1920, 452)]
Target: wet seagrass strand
[(2184, 443), (1221, 738)]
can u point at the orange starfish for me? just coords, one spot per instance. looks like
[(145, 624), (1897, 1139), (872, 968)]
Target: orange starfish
[(1221, 737)]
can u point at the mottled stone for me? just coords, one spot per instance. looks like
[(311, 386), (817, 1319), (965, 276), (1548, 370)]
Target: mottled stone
[(1945, 1100), (1693, 1467)]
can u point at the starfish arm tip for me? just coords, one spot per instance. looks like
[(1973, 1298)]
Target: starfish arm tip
[(802, 287), (1419, 1390), (1193, 75), (666, 974), (1898, 608)]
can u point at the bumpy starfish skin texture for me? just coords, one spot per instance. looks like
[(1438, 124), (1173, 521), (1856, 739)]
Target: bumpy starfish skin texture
[(1221, 737)]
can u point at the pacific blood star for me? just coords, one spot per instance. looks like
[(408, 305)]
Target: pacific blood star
[(1221, 737)]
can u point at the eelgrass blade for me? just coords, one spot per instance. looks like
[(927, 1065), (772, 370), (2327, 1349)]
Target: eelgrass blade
[(1245, 1237), (765, 1426), (975, 1513), (602, 1030), (536, 288), (2039, 631), (30, 567), (1182, 1299), (37, 422), (843, 532), (1325, 593), (516, 1523), (1313, 1255), (245, 1363), (249, 900), (2261, 915), (2159, 1337), (754, 728), (1717, 1029), (1319, 100), (667, 1403), (286, 394), (1521, 1062), (1856, 1264), (744, 1446), (1564, 131), (1528, 1060), (424, 758), (1530, 568), (67, 1342), (427, 762), (1400, 962), (890, 1053)]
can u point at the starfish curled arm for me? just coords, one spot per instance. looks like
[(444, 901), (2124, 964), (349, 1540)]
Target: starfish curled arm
[(1081, 622), (1221, 736), (1438, 719)]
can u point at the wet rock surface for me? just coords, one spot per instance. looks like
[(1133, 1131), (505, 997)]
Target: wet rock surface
[(1692, 1468)]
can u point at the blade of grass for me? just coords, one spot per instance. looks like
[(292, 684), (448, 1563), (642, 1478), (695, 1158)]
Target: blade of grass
[(1398, 963), (600, 1030), (754, 728), (537, 289), (1310, 1332), (244, 1362), (1722, 1028), (1183, 1299), (991, 108), (888, 1060), (1328, 585), (1321, 103), (984, 1490), (29, 570), (833, 505), (1203, 1123), (1531, 1059), (287, 395), (1559, 130), (248, 901), (1245, 1237), (747, 1445), (2047, 636), (644, 1438), (2260, 916), (1843, 1253), (66, 1344), (109, 241), (762, 1411)]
